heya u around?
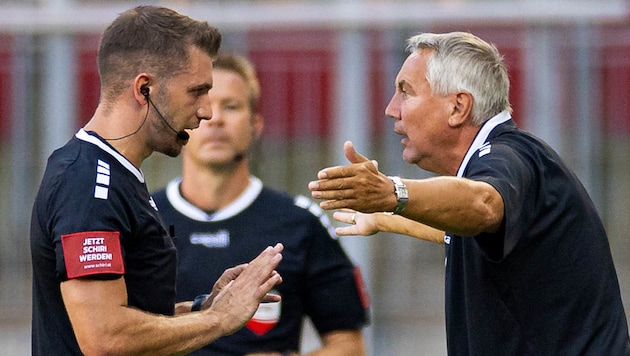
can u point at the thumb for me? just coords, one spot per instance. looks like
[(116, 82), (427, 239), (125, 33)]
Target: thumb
[(355, 157), (351, 154)]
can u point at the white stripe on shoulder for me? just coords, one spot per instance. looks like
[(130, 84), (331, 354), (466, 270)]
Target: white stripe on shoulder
[(84, 136), (308, 204)]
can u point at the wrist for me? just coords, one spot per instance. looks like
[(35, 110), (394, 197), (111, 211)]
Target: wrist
[(198, 302), (381, 221), (402, 194)]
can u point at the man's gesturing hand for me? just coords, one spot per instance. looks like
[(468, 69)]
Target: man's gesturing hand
[(358, 186)]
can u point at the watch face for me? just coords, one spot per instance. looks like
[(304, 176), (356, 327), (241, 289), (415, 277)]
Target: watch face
[(402, 195)]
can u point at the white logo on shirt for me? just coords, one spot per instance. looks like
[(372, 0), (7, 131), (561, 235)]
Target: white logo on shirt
[(218, 239), (485, 149), (447, 240)]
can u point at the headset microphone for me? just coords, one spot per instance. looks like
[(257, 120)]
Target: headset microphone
[(181, 135)]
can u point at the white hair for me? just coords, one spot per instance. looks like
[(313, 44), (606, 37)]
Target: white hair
[(463, 62)]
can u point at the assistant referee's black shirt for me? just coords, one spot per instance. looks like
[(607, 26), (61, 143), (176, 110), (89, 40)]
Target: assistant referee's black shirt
[(318, 278)]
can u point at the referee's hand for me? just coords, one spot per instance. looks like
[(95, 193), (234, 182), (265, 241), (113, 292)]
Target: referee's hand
[(241, 289)]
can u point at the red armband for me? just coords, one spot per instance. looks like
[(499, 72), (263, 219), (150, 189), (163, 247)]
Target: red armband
[(92, 252)]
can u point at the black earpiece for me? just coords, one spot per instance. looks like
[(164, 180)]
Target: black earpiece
[(144, 90), (182, 135)]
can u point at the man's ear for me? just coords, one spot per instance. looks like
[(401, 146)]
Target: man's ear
[(462, 109), (258, 124), (141, 85)]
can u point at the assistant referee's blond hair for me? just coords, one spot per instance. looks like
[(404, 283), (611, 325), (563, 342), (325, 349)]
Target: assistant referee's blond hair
[(244, 68)]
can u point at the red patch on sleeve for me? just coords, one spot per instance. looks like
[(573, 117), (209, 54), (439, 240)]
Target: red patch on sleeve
[(265, 318), (92, 252), (363, 293)]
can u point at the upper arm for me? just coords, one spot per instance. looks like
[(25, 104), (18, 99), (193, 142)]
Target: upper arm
[(506, 174), (491, 203), (93, 306), (459, 206), (511, 175)]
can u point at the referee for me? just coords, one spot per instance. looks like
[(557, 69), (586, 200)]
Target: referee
[(104, 264)]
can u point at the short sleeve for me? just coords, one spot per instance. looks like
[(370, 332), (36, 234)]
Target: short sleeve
[(75, 214), (513, 175)]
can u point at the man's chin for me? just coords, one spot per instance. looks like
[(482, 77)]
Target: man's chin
[(172, 151), (408, 157), (413, 159)]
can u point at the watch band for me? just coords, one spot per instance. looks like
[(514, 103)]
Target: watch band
[(196, 305), (402, 195)]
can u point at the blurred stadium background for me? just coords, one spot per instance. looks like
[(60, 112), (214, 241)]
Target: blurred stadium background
[(327, 70)]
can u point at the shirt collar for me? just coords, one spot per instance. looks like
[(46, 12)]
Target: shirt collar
[(241, 203), (482, 137), (97, 141)]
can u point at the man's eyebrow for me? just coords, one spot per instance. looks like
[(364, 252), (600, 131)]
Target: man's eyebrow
[(205, 86)]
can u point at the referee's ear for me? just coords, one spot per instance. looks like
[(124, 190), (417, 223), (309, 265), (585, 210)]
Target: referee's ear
[(462, 109)]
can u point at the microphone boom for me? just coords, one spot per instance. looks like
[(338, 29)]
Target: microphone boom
[(181, 135)]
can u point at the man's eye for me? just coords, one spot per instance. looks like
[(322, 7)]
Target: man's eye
[(402, 90), (199, 91), (231, 107)]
